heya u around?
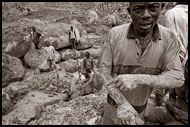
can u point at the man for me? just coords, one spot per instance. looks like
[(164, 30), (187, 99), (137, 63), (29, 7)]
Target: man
[(140, 56), (72, 37), (50, 52), (35, 36), (176, 19), (88, 65)]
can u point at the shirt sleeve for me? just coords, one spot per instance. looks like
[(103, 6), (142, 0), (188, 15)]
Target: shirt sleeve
[(106, 58), (172, 65), (169, 22)]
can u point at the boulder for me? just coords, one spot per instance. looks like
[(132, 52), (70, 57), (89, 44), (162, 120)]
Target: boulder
[(30, 107), (16, 32), (91, 16), (84, 43), (37, 58), (70, 65), (91, 107), (67, 54), (60, 80), (18, 49), (102, 30), (94, 52), (7, 106), (12, 69), (57, 34)]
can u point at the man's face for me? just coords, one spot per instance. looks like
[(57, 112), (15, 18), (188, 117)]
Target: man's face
[(144, 15), (87, 55)]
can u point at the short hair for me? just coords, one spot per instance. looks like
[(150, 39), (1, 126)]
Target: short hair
[(33, 28), (47, 43), (87, 53)]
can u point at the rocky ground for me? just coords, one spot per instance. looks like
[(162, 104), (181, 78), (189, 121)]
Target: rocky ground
[(31, 93)]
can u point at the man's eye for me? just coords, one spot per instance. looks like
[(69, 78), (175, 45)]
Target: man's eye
[(153, 8), (137, 10)]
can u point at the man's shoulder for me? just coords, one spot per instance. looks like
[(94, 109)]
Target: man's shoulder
[(164, 31), (167, 34)]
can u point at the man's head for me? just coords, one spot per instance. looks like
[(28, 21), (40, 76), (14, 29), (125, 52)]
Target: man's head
[(47, 43), (87, 54), (33, 28), (144, 15)]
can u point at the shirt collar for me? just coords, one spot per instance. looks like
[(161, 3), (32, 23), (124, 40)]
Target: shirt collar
[(156, 32)]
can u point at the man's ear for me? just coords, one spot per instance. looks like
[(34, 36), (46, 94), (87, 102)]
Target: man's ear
[(162, 5), (129, 11)]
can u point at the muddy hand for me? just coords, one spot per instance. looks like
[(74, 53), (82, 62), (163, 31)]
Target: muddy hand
[(128, 116), (125, 82)]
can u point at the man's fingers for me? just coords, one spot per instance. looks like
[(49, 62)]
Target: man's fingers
[(122, 87), (125, 122), (139, 121)]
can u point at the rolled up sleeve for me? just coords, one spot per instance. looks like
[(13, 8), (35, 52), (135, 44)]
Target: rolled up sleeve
[(172, 65)]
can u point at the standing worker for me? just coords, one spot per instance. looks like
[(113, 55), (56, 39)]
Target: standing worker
[(143, 43), (88, 65), (35, 36), (72, 37), (50, 52)]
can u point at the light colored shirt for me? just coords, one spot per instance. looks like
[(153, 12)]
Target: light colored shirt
[(122, 54), (50, 52), (176, 19)]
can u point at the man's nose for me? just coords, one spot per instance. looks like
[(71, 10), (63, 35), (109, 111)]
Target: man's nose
[(146, 14)]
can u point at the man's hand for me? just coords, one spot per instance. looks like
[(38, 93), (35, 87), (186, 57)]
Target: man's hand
[(126, 82), (128, 116)]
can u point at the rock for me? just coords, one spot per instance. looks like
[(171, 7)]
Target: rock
[(18, 49), (92, 37), (69, 54), (112, 20), (29, 107), (12, 70), (37, 58), (95, 53), (61, 80), (102, 30), (80, 111), (70, 65), (84, 43), (7, 106), (16, 32), (34, 58), (91, 16), (57, 34)]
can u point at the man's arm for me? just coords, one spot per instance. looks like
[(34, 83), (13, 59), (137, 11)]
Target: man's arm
[(169, 22), (171, 77)]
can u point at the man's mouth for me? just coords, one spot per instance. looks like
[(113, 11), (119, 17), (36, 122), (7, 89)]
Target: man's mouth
[(145, 25)]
